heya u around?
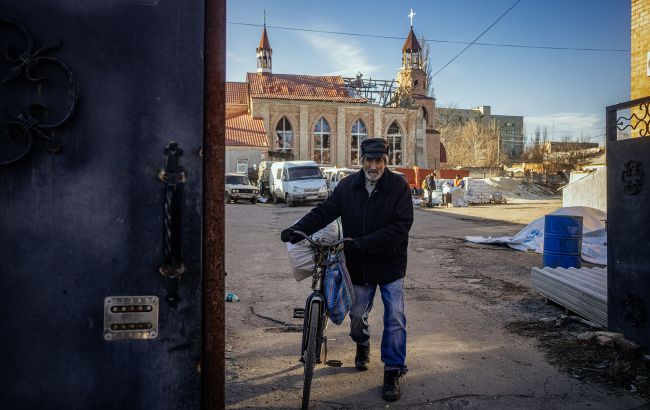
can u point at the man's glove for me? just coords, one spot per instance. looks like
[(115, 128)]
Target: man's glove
[(288, 235), (351, 246)]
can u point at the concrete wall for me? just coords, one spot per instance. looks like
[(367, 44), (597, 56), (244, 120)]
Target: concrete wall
[(587, 190)]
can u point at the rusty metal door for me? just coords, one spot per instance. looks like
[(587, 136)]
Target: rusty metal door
[(101, 128)]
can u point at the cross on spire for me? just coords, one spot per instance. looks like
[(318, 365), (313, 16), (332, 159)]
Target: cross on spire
[(265, 18), (410, 15)]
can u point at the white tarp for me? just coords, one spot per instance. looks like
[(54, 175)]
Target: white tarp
[(301, 254), (531, 238)]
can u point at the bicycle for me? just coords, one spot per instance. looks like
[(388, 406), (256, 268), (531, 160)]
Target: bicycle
[(315, 313)]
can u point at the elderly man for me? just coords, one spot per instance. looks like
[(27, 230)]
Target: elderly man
[(377, 212)]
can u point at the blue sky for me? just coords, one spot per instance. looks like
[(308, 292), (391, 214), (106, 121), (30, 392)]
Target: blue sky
[(565, 90)]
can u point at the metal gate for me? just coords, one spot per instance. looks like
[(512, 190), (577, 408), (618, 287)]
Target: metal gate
[(628, 219), (101, 133)]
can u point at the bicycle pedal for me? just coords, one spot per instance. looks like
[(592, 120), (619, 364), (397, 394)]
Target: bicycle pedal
[(298, 313), (334, 363)]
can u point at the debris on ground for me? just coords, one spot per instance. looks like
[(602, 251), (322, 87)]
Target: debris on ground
[(593, 356), (231, 297)]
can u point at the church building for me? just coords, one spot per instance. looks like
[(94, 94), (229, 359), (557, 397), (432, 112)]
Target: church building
[(271, 117)]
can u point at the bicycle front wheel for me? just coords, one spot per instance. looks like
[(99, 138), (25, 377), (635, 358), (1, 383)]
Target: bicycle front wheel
[(310, 354)]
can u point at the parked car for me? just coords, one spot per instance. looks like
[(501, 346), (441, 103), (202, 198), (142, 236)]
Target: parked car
[(297, 181), (334, 175), (239, 187)]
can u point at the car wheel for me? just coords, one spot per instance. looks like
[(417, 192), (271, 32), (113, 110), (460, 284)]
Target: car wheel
[(288, 200), (227, 198), (253, 201)]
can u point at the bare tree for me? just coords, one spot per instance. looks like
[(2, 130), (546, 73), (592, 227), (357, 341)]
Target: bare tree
[(569, 152), (536, 149), (426, 54), (471, 144)]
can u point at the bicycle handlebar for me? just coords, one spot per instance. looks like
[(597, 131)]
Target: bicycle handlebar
[(340, 241)]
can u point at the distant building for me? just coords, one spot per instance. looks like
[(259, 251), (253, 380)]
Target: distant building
[(324, 118), (509, 127)]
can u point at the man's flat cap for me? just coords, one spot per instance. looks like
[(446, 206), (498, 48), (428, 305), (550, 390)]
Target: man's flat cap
[(374, 148)]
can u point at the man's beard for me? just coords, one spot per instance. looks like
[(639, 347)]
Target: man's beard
[(372, 176)]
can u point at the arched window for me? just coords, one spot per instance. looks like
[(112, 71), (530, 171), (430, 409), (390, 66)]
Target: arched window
[(322, 141), (394, 139), (359, 133), (284, 135)]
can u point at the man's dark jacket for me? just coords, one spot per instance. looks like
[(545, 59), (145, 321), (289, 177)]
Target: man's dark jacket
[(379, 223)]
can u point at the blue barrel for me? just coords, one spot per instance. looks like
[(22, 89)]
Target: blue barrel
[(562, 241)]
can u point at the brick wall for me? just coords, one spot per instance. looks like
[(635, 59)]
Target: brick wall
[(640, 46)]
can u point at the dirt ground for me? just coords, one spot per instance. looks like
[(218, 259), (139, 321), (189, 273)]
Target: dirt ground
[(479, 337)]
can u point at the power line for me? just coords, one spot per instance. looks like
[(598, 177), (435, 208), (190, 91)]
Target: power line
[(344, 33), (476, 39)]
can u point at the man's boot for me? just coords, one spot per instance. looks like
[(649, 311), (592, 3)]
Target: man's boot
[(362, 359), (391, 385)]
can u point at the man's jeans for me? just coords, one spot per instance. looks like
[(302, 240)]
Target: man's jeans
[(393, 340)]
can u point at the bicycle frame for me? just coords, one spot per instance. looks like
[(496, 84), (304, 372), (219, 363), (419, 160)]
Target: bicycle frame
[(312, 345), (322, 254)]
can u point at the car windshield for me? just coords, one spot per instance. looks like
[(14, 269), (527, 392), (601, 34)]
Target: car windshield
[(298, 173), (237, 180)]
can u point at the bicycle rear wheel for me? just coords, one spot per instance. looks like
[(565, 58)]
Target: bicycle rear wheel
[(310, 354)]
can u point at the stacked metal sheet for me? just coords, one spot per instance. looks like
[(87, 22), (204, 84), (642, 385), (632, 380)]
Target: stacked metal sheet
[(583, 291)]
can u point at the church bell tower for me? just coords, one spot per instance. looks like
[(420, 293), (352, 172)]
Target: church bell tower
[(412, 76), (264, 53)]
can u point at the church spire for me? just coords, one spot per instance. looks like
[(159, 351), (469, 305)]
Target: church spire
[(264, 52), (412, 77)]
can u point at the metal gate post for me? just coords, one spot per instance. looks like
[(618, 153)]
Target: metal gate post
[(212, 362)]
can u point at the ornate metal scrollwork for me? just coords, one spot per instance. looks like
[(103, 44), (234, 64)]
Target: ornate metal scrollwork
[(634, 310), (632, 177), (31, 122), (642, 123)]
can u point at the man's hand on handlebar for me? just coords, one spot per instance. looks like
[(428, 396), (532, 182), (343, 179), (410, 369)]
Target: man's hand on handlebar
[(289, 235)]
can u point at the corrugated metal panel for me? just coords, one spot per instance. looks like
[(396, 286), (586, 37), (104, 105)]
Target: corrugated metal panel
[(583, 291)]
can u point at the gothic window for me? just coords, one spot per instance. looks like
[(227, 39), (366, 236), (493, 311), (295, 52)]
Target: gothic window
[(394, 138), (284, 135), (322, 141), (359, 133)]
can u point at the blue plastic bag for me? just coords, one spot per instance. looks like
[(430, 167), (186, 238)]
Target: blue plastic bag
[(339, 293)]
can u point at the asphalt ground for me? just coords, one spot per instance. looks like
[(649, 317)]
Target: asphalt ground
[(462, 300)]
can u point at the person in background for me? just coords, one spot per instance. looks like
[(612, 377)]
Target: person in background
[(458, 182), (429, 184), (376, 211)]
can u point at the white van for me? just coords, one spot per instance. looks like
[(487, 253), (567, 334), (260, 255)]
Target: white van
[(297, 181)]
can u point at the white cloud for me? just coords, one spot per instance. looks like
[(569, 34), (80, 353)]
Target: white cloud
[(342, 56), (566, 123), (234, 57)]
